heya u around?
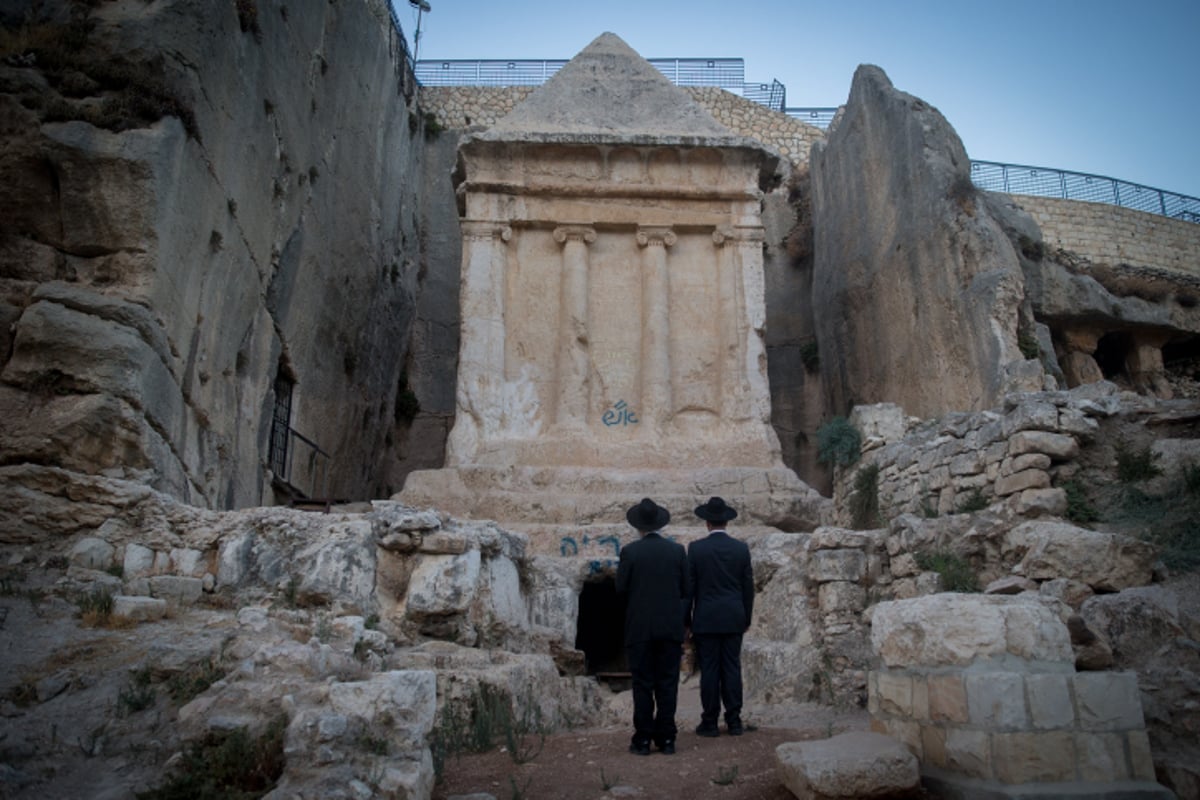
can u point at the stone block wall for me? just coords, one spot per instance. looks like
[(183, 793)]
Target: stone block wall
[(470, 106), (984, 688), (1113, 235), (1010, 454)]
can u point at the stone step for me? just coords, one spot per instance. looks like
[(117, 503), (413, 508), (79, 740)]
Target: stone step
[(583, 497)]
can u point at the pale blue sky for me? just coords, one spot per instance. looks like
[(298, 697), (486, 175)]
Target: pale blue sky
[(1097, 86)]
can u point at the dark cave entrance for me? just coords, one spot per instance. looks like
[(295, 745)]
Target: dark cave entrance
[(600, 630), (1112, 354), (1181, 358)]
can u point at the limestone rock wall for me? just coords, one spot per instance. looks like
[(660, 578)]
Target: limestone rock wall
[(159, 278), (916, 286)]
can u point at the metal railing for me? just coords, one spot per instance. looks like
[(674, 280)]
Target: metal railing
[(1045, 182), (728, 74), (308, 478), (818, 117)]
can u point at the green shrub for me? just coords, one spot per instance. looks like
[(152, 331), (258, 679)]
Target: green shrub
[(194, 681), (1134, 465), (137, 695), (956, 572), (864, 500), (1028, 345), (974, 501), (231, 765), (838, 443), (810, 356), (1079, 507)]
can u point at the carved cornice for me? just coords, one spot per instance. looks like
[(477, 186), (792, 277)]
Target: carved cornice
[(485, 230), (738, 235), (574, 233), (659, 236)]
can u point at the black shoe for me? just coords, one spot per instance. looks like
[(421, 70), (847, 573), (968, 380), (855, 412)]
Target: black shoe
[(667, 748), (640, 748), (735, 728), (708, 729)]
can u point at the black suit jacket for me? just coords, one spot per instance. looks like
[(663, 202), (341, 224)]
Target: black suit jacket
[(652, 579), (722, 584)]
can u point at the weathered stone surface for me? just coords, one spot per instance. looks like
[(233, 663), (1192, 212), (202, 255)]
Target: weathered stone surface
[(958, 629), (850, 765), (92, 553), (1106, 562), (141, 609), (893, 196)]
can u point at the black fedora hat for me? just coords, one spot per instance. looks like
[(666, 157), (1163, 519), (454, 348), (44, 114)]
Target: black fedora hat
[(648, 515), (715, 510)]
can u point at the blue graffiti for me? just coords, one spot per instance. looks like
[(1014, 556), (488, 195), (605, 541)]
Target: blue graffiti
[(568, 547), (611, 540), (620, 414)]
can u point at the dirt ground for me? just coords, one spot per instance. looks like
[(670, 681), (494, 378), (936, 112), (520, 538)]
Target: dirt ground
[(596, 763)]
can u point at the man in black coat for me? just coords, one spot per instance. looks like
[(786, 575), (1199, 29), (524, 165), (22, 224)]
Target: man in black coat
[(652, 579), (723, 603)]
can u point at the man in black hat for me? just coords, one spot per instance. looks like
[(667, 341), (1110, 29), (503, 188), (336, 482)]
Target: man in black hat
[(723, 602), (652, 578)]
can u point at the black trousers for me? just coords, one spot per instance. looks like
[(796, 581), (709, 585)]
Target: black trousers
[(720, 658), (655, 669)]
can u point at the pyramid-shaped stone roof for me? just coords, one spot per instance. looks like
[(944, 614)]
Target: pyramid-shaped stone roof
[(609, 92)]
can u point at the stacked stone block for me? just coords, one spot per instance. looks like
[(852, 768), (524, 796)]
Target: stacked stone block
[(460, 107), (1012, 455), (984, 688)]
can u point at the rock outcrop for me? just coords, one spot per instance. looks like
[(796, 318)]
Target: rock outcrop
[(901, 239), (167, 280)]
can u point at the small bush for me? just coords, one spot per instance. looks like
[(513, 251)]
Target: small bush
[(433, 128), (95, 608), (1136, 465), (137, 695), (956, 572), (974, 501), (407, 406), (838, 443), (231, 765), (810, 356), (1079, 507), (1028, 345), (864, 501), (194, 681)]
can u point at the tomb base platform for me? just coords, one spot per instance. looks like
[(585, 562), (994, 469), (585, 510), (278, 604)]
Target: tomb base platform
[(553, 502)]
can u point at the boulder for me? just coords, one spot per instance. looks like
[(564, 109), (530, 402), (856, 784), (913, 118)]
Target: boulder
[(1049, 549), (849, 765), (960, 629)]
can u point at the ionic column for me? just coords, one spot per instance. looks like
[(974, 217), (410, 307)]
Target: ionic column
[(481, 350), (656, 328), (573, 359)]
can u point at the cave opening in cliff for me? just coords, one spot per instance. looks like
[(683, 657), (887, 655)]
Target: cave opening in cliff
[(1112, 355), (1181, 358), (600, 630)]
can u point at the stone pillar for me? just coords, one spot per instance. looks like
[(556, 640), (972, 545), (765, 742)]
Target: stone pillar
[(752, 395), (730, 352), (481, 355), (1078, 362), (656, 328), (573, 362)]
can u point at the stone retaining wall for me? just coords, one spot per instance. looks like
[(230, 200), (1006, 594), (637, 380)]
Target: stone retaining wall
[(984, 688), (969, 459), (1113, 235), (468, 106)]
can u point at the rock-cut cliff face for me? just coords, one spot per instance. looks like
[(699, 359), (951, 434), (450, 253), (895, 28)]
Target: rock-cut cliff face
[(204, 202), (916, 288)]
